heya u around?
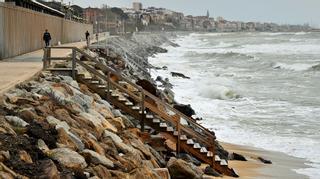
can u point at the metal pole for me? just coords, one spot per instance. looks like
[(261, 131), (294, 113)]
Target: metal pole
[(178, 140), (45, 58)]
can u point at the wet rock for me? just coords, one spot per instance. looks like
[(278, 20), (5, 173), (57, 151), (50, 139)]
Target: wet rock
[(95, 158), (109, 146), (210, 171), (64, 141), (160, 160), (101, 172), (116, 113), (4, 155), (185, 109), (6, 175), (68, 158), (29, 115), (118, 123), (98, 121), (264, 160), (42, 146), (5, 127), (223, 154), (16, 121), (118, 142), (24, 156), (163, 173), (48, 170), (180, 169), (144, 173), (235, 156), (175, 74), (91, 143), (44, 132), (190, 159), (57, 123)]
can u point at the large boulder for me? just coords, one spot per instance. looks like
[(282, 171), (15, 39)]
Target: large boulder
[(185, 109), (68, 158), (180, 169), (16, 121), (163, 173), (97, 159)]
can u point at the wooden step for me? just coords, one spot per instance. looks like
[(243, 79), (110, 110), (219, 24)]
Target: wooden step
[(190, 142), (102, 86), (203, 150), (217, 158), (223, 162), (129, 103), (115, 95), (108, 91), (149, 116), (197, 146), (94, 82), (164, 125), (122, 82), (156, 120), (170, 129), (140, 112), (175, 133), (122, 99), (209, 154), (183, 137), (136, 108)]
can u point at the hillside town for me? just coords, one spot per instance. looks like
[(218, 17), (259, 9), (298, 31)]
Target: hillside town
[(138, 18)]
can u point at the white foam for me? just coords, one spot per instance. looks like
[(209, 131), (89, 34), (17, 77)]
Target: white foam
[(264, 123), (294, 67)]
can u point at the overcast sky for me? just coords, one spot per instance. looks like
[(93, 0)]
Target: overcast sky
[(279, 11)]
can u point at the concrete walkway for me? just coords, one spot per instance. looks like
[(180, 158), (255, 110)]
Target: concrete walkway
[(22, 68)]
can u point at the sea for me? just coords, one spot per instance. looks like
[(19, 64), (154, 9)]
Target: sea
[(257, 89)]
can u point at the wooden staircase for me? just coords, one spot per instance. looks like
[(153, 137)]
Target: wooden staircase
[(152, 112)]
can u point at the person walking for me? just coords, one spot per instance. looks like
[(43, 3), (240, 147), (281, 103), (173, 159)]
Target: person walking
[(88, 38), (47, 38)]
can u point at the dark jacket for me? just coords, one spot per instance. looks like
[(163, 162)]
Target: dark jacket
[(87, 35), (46, 36)]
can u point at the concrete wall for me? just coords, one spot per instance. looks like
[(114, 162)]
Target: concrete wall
[(21, 30)]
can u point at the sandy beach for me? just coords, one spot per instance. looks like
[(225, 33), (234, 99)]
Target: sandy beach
[(282, 165)]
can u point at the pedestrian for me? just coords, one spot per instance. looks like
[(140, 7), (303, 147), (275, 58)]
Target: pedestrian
[(97, 37), (88, 38), (47, 38)]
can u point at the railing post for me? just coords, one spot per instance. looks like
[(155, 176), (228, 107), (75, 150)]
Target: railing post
[(213, 153), (45, 58), (73, 63), (49, 56), (142, 114), (178, 145)]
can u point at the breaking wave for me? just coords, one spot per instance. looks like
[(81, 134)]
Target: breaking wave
[(297, 66), (218, 92), (219, 55)]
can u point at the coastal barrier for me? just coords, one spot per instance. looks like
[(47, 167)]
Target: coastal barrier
[(21, 30)]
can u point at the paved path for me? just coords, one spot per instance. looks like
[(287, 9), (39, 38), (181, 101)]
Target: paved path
[(22, 68)]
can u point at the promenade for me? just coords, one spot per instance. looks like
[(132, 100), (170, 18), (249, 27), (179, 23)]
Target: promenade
[(22, 68)]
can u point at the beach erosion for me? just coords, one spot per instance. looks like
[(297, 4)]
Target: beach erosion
[(84, 133)]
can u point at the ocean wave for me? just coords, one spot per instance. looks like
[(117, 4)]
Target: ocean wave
[(218, 92), (315, 67), (297, 66), (218, 55)]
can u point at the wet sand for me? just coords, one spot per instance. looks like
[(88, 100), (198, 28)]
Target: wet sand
[(281, 168)]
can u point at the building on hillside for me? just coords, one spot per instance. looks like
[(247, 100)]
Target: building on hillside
[(137, 6), (37, 6)]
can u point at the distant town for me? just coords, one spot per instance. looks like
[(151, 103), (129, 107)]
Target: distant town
[(137, 18)]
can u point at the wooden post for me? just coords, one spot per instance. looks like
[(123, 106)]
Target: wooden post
[(73, 64), (142, 114), (45, 58), (108, 85), (178, 145), (49, 57)]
